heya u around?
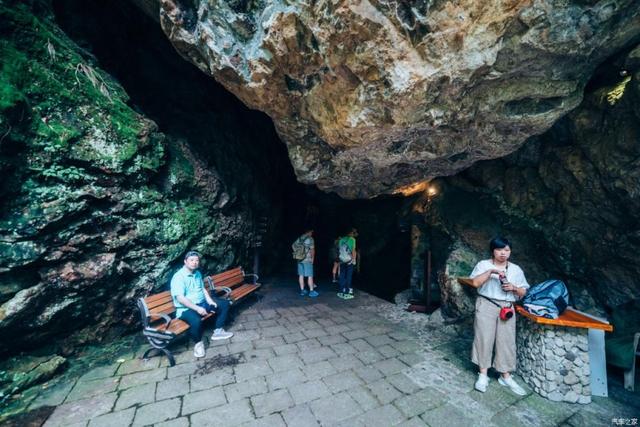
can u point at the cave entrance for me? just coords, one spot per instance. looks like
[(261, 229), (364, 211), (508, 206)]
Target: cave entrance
[(384, 245), (241, 146)]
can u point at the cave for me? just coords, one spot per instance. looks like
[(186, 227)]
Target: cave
[(134, 131), (231, 137)]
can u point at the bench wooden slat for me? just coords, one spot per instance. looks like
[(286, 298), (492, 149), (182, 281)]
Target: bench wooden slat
[(176, 326), (159, 302), (160, 305), (230, 282), (221, 276), (569, 318), (165, 308), (153, 298), (242, 291)]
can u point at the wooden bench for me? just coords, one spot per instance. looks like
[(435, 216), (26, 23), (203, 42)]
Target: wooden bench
[(158, 326), (233, 283), (535, 347)]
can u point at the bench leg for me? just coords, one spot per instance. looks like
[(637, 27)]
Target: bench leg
[(159, 345), (172, 360), (598, 363)]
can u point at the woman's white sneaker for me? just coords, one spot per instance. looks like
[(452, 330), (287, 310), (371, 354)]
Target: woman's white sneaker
[(198, 350), (481, 383), (513, 385)]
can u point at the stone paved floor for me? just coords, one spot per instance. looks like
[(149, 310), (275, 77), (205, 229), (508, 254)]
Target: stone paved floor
[(302, 362)]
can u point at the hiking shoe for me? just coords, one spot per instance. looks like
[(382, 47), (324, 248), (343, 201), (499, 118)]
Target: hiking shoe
[(221, 334), (313, 294), (303, 292), (513, 385), (198, 350), (481, 383)]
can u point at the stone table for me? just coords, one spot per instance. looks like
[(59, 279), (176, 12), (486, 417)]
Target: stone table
[(563, 359)]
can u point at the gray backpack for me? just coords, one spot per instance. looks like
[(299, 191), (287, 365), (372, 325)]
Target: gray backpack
[(344, 252), (299, 249)]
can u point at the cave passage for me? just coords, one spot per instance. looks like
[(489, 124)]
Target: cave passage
[(242, 146)]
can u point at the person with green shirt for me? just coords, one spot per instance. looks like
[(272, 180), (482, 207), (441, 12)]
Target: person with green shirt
[(347, 257), (192, 301)]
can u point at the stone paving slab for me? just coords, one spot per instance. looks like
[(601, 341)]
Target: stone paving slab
[(298, 362)]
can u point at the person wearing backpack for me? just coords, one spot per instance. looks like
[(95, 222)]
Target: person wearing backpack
[(347, 257), (304, 252), (500, 283)]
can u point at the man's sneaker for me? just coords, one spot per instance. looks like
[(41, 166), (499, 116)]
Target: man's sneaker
[(198, 350), (221, 334), (348, 296), (481, 383), (313, 294), (303, 292), (340, 295), (513, 385)]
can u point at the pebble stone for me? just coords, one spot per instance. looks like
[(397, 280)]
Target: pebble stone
[(554, 361)]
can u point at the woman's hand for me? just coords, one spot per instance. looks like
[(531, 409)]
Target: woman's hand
[(509, 287)]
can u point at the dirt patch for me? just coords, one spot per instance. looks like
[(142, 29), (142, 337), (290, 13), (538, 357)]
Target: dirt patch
[(217, 362)]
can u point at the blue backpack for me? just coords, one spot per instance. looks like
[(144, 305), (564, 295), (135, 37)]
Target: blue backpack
[(547, 299)]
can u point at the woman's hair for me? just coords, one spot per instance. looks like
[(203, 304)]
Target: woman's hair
[(498, 243)]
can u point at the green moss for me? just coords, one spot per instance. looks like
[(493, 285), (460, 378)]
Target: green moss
[(180, 168), (9, 94), (71, 100), (55, 136)]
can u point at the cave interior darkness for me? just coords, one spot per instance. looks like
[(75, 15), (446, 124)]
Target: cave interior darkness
[(189, 105)]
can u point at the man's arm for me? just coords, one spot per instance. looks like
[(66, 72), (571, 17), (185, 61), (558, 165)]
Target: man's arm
[(187, 303), (208, 298), (353, 252)]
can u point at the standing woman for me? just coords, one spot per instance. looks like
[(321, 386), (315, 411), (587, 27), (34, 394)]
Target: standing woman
[(500, 283)]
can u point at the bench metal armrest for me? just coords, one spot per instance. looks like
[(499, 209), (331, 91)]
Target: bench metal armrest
[(224, 289), (214, 288), (167, 319), (255, 280)]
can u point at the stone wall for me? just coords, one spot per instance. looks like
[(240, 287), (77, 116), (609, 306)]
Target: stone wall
[(554, 361)]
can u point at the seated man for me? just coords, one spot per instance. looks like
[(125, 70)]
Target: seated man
[(192, 301)]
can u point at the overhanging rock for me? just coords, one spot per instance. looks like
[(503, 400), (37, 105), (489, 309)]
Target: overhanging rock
[(371, 96)]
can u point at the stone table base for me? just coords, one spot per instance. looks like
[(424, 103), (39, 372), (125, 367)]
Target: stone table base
[(554, 361)]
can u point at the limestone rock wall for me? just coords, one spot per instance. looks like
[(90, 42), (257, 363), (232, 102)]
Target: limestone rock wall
[(567, 199), (370, 95), (98, 206)]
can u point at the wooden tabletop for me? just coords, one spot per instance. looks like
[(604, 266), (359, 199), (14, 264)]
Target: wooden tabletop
[(570, 318)]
